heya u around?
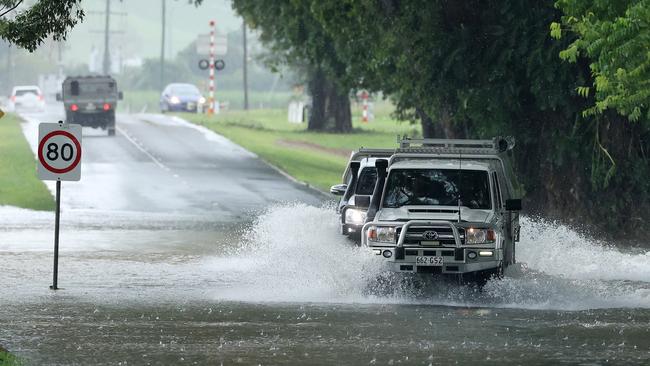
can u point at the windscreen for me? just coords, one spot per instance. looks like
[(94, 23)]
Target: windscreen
[(185, 90), (367, 180), (437, 187), (21, 92), (87, 87)]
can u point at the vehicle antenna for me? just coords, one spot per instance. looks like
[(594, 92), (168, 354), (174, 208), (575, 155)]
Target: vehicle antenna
[(460, 175)]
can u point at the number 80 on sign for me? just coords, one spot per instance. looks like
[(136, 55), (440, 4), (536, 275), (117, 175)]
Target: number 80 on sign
[(59, 151)]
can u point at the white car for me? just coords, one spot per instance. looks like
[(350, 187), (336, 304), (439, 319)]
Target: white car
[(27, 97)]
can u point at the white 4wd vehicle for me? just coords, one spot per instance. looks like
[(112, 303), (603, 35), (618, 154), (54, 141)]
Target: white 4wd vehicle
[(26, 97), (359, 180), (445, 207)]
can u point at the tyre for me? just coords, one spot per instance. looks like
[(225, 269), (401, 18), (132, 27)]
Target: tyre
[(110, 125)]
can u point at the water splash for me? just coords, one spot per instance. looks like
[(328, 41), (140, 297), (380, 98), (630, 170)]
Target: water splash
[(294, 253)]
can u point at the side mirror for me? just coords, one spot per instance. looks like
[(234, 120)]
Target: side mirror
[(59, 97), (338, 189), (120, 95), (513, 205), (362, 201)]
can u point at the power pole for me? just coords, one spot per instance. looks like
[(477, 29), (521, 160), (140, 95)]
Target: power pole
[(245, 66), (162, 48), (106, 66)]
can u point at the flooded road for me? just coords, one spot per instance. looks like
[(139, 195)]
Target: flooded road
[(213, 267)]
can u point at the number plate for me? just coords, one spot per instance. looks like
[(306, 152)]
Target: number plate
[(428, 261), (90, 107)]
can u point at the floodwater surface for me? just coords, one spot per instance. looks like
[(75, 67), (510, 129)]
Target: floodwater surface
[(285, 288)]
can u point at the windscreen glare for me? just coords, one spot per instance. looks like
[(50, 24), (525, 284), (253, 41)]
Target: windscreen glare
[(437, 187)]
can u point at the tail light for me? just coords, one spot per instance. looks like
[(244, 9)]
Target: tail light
[(40, 97), (74, 107), (13, 98), (107, 106)]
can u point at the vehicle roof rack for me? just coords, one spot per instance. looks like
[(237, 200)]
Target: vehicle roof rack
[(371, 153), (442, 146)]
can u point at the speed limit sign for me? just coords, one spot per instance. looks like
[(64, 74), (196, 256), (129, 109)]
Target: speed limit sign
[(59, 151)]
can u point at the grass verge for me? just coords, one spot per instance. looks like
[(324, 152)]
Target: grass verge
[(19, 184), (7, 359), (316, 158)]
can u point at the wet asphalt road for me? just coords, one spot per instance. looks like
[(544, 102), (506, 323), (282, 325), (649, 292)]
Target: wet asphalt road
[(178, 247)]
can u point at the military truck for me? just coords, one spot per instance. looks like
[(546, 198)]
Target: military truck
[(90, 101), (445, 207)]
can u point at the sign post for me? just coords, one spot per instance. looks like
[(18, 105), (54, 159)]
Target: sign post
[(59, 159)]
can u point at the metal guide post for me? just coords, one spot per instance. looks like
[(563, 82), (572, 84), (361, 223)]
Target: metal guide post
[(57, 216)]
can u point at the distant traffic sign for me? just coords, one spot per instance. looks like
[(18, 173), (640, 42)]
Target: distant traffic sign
[(59, 151)]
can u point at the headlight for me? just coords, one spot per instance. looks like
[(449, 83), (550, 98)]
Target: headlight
[(174, 100), (479, 236), (201, 100), (354, 216), (384, 234)]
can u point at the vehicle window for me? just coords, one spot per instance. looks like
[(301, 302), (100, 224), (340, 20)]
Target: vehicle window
[(92, 88), (438, 187), (185, 90), (366, 182), (495, 190), (22, 92)]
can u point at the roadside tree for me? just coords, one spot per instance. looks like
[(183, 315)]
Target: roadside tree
[(297, 38)]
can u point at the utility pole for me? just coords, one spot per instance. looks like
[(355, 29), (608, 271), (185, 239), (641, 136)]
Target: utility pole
[(162, 48), (245, 66), (106, 66), (10, 69)]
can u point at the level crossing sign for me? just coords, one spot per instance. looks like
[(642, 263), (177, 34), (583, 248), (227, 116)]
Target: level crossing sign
[(59, 151)]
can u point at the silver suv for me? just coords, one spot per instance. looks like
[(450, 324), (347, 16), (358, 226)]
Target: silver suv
[(445, 207)]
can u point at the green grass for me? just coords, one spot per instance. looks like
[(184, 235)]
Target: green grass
[(264, 131), (19, 184), (7, 359)]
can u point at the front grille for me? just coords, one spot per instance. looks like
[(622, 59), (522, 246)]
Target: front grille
[(414, 236), (429, 269)]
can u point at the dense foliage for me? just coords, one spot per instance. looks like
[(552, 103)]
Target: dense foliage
[(46, 18), (473, 68), (615, 36)]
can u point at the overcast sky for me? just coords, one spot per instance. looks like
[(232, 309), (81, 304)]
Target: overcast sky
[(141, 26)]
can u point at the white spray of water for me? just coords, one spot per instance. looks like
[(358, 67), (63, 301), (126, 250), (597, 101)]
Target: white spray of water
[(294, 253)]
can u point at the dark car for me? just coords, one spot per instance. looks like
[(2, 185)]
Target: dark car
[(180, 97)]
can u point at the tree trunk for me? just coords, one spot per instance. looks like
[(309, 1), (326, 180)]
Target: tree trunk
[(318, 91), (429, 128), (339, 109)]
